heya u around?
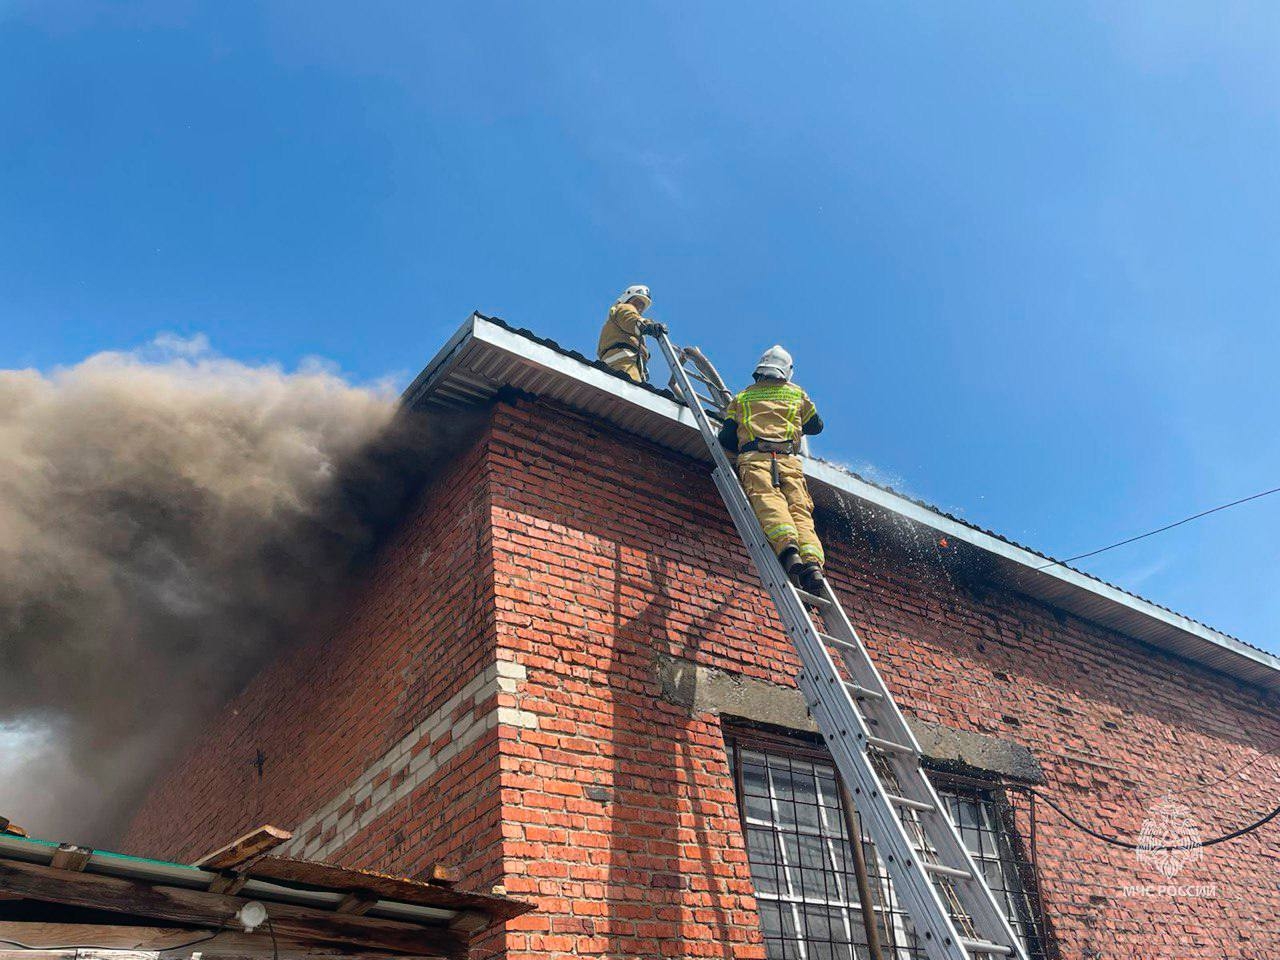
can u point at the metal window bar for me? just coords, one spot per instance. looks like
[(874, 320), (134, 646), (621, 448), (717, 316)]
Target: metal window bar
[(790, 807)]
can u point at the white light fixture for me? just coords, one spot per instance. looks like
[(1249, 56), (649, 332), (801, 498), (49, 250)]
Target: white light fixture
[(252, 915)]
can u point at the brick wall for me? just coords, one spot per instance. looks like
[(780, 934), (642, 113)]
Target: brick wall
[(379, 736), (619, 809), (596, 554)]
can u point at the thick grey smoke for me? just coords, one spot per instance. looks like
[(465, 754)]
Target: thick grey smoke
[(167, 519)]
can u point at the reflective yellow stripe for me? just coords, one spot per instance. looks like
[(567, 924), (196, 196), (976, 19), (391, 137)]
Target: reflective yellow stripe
[(772, 391), (781, 401)]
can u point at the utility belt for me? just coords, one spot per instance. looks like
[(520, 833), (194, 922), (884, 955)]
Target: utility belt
[(791, 447)]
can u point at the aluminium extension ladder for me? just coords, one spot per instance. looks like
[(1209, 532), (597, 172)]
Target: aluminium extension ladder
[(954, 912)]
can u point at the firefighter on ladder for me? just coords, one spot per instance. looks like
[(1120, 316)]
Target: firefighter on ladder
[(763, 425), (621, 345)]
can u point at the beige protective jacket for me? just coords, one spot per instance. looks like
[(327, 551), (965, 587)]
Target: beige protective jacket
[(773, 410), (622, 328)]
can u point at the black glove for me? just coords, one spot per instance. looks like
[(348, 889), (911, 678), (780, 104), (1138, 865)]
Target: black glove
[(652, 327)]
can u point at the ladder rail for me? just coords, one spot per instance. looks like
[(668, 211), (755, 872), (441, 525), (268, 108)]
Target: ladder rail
[(849, 736), (949, 848)]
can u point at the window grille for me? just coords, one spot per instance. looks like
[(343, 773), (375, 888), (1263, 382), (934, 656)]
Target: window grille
[(803, 870)]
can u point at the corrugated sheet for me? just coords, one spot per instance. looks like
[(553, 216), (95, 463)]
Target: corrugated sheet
[(487, 355)]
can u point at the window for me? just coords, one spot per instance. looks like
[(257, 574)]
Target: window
[(803, 869)]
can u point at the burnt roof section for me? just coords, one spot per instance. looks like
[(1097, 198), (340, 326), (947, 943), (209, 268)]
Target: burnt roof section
[(487, 354)]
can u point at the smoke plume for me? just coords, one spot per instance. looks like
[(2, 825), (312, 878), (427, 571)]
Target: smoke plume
[(168, 518)]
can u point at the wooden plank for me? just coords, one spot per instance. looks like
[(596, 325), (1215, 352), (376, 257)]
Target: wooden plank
[(45, 935), (228, 943), (78, 955), (253, 844), (200, 908), (418, 892), (470, 922), (229, 883), (70, 857), (356, 903)]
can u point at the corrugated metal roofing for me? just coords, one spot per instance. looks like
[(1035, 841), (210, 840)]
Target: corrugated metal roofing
[(487, 354)]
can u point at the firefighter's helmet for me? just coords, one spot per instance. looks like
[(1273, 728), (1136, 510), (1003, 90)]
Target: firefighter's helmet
[(775, 363)]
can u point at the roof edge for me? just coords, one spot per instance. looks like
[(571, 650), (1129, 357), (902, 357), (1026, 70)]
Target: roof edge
[(1252, 665)]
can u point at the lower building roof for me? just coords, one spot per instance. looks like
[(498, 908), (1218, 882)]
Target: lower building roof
[(316, 908), (487, 355)]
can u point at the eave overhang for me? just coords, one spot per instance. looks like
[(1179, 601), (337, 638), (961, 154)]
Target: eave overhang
[(486, 356)]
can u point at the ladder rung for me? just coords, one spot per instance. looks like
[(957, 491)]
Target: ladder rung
[(862, 693), (813, 598), (986, 946), (837, 642), (942, 870), (910, 804), (890, 746), (843, 660)]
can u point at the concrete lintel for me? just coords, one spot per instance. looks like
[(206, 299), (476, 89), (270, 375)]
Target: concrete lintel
[(708, 690)]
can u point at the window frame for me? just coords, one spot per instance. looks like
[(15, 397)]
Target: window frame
[(990, 792)]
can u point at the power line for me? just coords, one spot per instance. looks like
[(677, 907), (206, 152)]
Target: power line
[(1130, 845), (1152, 533)]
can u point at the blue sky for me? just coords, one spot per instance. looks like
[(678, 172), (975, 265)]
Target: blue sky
[(1027, 255)]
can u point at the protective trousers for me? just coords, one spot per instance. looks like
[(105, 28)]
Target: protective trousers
[(785, 512), (627, 361)]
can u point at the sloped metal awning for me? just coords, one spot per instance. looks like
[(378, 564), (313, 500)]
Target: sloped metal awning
[(487, 355), (67, 901)]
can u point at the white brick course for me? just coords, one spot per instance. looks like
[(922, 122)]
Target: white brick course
[(502, 676)]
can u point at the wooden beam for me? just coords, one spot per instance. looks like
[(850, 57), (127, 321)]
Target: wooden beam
[(229, 883), (253, 844), (70, 857), (423, 893), (470, 922), (42, 935), (150, 940), (356, 903), (202, 909), (80, 954)]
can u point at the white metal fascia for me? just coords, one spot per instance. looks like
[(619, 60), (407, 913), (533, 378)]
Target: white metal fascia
[(529, 351)]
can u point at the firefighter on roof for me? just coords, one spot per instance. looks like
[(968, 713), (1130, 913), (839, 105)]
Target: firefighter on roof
[(764, 425), (622, 339)]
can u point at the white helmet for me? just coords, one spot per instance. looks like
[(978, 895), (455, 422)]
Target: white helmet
[(775, 363), (636, 290)]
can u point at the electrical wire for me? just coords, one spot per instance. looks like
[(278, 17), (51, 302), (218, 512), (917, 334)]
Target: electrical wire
[(93, 946), (1152, 533), (275, 947), (1130, 845), (1200, 787)]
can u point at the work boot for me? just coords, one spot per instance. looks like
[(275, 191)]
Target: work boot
[(790, 560), (810, 578)]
